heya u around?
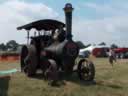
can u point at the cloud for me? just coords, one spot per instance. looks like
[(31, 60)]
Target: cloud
[(110, 24), (111, 28), (14, 13), (108, 9)]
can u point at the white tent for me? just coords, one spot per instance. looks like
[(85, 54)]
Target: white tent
[(90, 49)]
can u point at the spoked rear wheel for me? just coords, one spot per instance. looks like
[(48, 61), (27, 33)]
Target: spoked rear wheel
[(23, 55), (30, 61), (86, 70)]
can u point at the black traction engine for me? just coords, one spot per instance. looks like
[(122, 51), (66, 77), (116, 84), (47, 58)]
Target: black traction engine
[(52, 49)]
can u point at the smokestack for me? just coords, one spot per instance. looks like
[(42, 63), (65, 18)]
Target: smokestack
[(68, 16)]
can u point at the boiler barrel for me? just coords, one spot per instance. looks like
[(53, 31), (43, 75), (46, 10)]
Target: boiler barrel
[(66, 48)]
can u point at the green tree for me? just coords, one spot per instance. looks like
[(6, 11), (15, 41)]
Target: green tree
[(114, 46), (102, 43), (3, 47), (12, 44)]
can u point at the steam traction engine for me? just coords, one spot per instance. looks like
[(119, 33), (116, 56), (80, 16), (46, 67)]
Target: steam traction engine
[(53, 49)]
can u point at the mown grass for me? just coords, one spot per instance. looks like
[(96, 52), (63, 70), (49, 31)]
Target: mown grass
[(109, 81)]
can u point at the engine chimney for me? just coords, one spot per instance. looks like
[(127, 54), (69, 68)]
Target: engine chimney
[(68, 17)]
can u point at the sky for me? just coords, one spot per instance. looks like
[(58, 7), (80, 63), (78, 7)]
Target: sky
[(94, 21)]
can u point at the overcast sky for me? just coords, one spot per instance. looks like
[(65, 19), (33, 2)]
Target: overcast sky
[(94, 21)]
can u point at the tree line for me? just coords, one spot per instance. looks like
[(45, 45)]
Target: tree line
[(11, 45)]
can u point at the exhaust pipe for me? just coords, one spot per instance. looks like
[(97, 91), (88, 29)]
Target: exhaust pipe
[(68, 17)]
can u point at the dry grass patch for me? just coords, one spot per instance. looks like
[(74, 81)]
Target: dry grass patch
[(108, 82)]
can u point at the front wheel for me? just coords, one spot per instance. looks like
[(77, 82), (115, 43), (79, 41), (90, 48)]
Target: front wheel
[(86, 70), (52, 72)]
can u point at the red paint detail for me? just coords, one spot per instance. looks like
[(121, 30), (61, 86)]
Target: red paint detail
[(43, 53), (99, 51), (71, 45), (9, 58), (121, 50)]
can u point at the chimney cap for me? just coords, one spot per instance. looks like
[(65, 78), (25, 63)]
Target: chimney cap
[(68, 7)]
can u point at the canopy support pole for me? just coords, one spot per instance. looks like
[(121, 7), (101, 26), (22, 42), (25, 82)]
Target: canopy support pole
[(28, 36), (39, 33)]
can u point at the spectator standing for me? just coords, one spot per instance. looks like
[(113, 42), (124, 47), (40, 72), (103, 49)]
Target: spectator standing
[(112, 56)]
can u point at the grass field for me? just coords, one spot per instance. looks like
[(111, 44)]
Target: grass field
[(109, 82)]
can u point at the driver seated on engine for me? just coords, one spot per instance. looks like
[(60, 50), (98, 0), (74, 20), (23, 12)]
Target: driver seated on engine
[(59, 35)]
